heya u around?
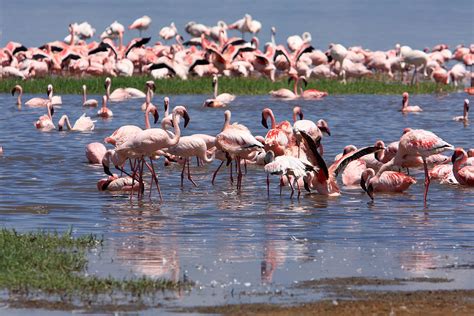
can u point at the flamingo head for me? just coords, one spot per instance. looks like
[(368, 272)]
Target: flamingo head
[(151, 84), (84, 87), (16, 88), (273, 29), (49, 89), (405, 96), (297, 112), (166, 102), (303, 78), (349, 149), (181, 110), (406, 130), (379, 146), (214, 80), (365, 182), (458, 154), (108, 82), (61, 123), (466, 105), (291, 78), (323, 127), (269, 157), (265, 114), (152, 109)]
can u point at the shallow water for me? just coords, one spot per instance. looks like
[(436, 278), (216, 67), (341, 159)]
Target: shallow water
[(235, 244)]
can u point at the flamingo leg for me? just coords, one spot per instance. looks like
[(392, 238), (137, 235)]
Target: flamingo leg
[(245, 165), (413, 78), (298, 187), (239, 174), (291, 186), (215, 172), (189, 175), (281, 185), (182, 172), (155, 176), (427, 180), (268, 185)]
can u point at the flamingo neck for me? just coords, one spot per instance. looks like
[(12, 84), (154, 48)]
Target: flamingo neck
[(405, 103), (49, 111), (295, 87), (18, 98), (71, 42), (272, 118), (66, 119), (84, 96), (466, 113), (177, 132), (226, 120), (120, 41), (386, 166), (147, 117), (215, 89)]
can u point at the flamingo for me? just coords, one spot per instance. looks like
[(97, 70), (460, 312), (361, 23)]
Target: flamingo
[(311, 93), (294, 42), (465, 117), (18, 89), (237, 141), (145, 144), (104, 111), (389, 181), (115, 184), (290, 167), (278, 138), (189, 146), (85, 102), (83, 123), (40, 102), (150, 89), (168, 32), (45, 122), (309, 127), (121, 94), (408, 108), (220, 100), (353, 171), (95, 152), (463, 173), (286, 93), (415, 143), (140, 24)]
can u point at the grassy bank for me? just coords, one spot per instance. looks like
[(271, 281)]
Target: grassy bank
[(238, 86), (53, 267)]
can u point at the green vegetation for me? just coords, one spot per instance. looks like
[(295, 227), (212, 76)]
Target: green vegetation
[(239, 86), (54, 266)]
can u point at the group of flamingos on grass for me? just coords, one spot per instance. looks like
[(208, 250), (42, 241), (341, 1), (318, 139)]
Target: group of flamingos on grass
[(211, 51), (294, 152)]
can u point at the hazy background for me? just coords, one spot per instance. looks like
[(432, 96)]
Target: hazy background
[(370, 23)]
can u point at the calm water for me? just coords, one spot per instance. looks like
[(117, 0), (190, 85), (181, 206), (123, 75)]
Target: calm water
[(370, 23), (229, 242)]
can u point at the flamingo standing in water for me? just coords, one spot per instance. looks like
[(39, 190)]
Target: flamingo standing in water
[(465, 117), (19, 90), (45, 122), (463, 173), (413, 144), (309, 127), (237, 141), (104, 111), (278, 138), (85, 101), (389, 181), (84, 123), (406, 107), (140, 24), (220, 100)]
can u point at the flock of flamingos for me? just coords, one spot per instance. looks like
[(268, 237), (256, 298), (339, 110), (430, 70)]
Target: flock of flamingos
[(292, 151)]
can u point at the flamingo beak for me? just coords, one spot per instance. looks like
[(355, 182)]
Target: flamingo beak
[(300, 115), (156, 116), (60, 128), (52, 110), (153, 87), (326, 130), (290, 79), (105, 185), (370, 191), (305, 82), (264, 121), (453, 158), (107, 170), (186, 118), (13, 91), (362, 184)]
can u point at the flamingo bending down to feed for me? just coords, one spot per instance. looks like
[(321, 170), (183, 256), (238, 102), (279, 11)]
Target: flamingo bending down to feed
[(83, 123), (45, 122), (463, 173), (95, 153), (413, 144), (237, 142), (116, 184), (104, 111), (279, 137), (145, 144), (389, 181), (220, 100), (85, 101), (465, 117), (290, 167), (406, 107)]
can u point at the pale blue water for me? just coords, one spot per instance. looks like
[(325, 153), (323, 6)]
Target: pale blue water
[(370, 23), (220, 238)]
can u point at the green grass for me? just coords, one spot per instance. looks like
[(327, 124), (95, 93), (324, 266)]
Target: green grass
[(238, 86), (55, 265)]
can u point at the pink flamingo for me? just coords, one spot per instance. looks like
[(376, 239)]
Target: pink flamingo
[(18, 89), (465, 117), (116, 184), (150, 89), (237, 141), (121, 94), (278, 138), (95, 153), (463, 173), (85, 101), (309, 127), (414, 144), (310, 93), (353, 171), (140, 24), (286, 93), (45, 122), (389, 181), (83, 123), (408, 108), (104, 111), (220, 100), (40, 102)]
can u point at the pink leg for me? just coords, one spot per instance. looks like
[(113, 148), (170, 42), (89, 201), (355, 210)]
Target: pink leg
[(268, 185), (291, 186), (215, 172), (182, 172), (189, 175), (155, 176), (427, 180)]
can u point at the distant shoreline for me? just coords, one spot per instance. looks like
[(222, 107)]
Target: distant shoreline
[(238, 86)]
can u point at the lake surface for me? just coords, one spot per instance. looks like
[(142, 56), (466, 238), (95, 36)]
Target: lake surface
[(370, 23), (230, 242)]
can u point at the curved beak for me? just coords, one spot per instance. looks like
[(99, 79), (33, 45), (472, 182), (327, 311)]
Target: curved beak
[(264, 121), (13, 90), (305, 82), (370, 191), (362, 184), (326, 130), (156, 116), (453, 158), (186, 118), (52, 110), (290, 79), (107, 170), (153, 87)]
